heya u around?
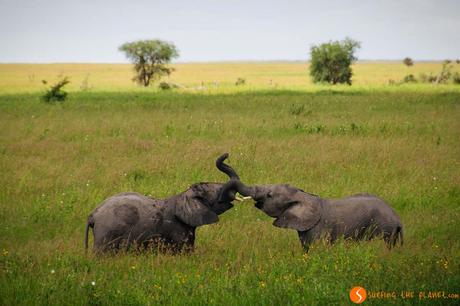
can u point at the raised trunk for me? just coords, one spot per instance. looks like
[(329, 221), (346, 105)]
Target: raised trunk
[(226, 168), (229, 189)]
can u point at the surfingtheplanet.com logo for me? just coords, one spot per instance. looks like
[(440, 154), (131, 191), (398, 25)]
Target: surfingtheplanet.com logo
[(358, 295)]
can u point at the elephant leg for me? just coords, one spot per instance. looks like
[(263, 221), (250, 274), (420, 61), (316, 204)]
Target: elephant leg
[(183, 242), (190, 242), (306, 238), (149, 244), (107, 242), (388, 240), (164, 245), (390, 236), (128, 242), (184, 246), (167, 245), (333, 235), (136, 240), (108, 245)]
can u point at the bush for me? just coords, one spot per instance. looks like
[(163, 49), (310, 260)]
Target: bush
[(240, 81), (427, 78), (167, 86), (296, 109), (56, 92), (331, 62), (410, 78), (85, 84), (445, 73), (445, 76), (408, 61), (164, 86), (456, 78)]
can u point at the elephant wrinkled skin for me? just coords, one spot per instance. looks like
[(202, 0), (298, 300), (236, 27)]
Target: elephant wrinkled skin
[(130, 218), (357, 217)]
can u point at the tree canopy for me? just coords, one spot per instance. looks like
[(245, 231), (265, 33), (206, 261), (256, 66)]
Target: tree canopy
[(150, 59), (408, 61), (331, 62)]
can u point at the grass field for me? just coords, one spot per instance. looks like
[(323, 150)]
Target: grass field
[(58, 162), (208, 78)]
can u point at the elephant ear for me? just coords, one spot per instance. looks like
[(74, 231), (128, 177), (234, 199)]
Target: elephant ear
[(300, 216), (194, 213)]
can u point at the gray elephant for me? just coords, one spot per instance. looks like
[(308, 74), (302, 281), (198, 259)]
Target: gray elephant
[(130, 218), (357, 217)]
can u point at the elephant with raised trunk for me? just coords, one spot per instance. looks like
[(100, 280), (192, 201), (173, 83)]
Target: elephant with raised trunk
[(357, 217), (130, 218)]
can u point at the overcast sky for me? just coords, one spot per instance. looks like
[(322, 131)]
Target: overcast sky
[(206, 30)]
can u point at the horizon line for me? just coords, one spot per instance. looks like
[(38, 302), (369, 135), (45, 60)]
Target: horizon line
[(216, 61)]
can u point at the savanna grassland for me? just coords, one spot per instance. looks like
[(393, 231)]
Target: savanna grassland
[(58, 161)]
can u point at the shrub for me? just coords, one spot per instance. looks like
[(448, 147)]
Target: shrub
[(456, 78), (56, 92), (164, 86), (408, 61), (410, 78), (85, 83), (296, 109), (392, 82), (445, 74), (427, 78), (331, 62), (167, 86), (443, 77), (240, 81)]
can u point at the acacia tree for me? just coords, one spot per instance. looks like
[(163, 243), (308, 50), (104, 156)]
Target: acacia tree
[(408, 61), (331, 62), (150, 59)]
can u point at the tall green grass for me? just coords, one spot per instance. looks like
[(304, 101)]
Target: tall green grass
[(59, 161)]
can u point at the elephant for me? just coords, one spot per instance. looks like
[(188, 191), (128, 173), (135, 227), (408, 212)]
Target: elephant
[(357, 217), (130, 218)]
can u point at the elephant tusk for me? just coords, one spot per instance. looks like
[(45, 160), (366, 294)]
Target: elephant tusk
[(240, 198)]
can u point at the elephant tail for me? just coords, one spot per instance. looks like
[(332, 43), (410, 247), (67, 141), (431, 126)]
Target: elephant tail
[(89, 223)]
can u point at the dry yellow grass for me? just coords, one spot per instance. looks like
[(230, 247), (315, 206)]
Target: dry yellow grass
[(16, 78)]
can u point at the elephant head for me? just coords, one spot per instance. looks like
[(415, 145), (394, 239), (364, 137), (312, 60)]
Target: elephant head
[(292, 207), (203, 202)]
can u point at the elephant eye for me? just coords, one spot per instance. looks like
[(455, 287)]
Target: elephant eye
[(269, 195), (201, 199)]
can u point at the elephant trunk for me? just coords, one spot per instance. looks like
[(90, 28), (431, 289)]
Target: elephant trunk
[(246, 190), (226, 168), (230, 188), (233, 186)]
